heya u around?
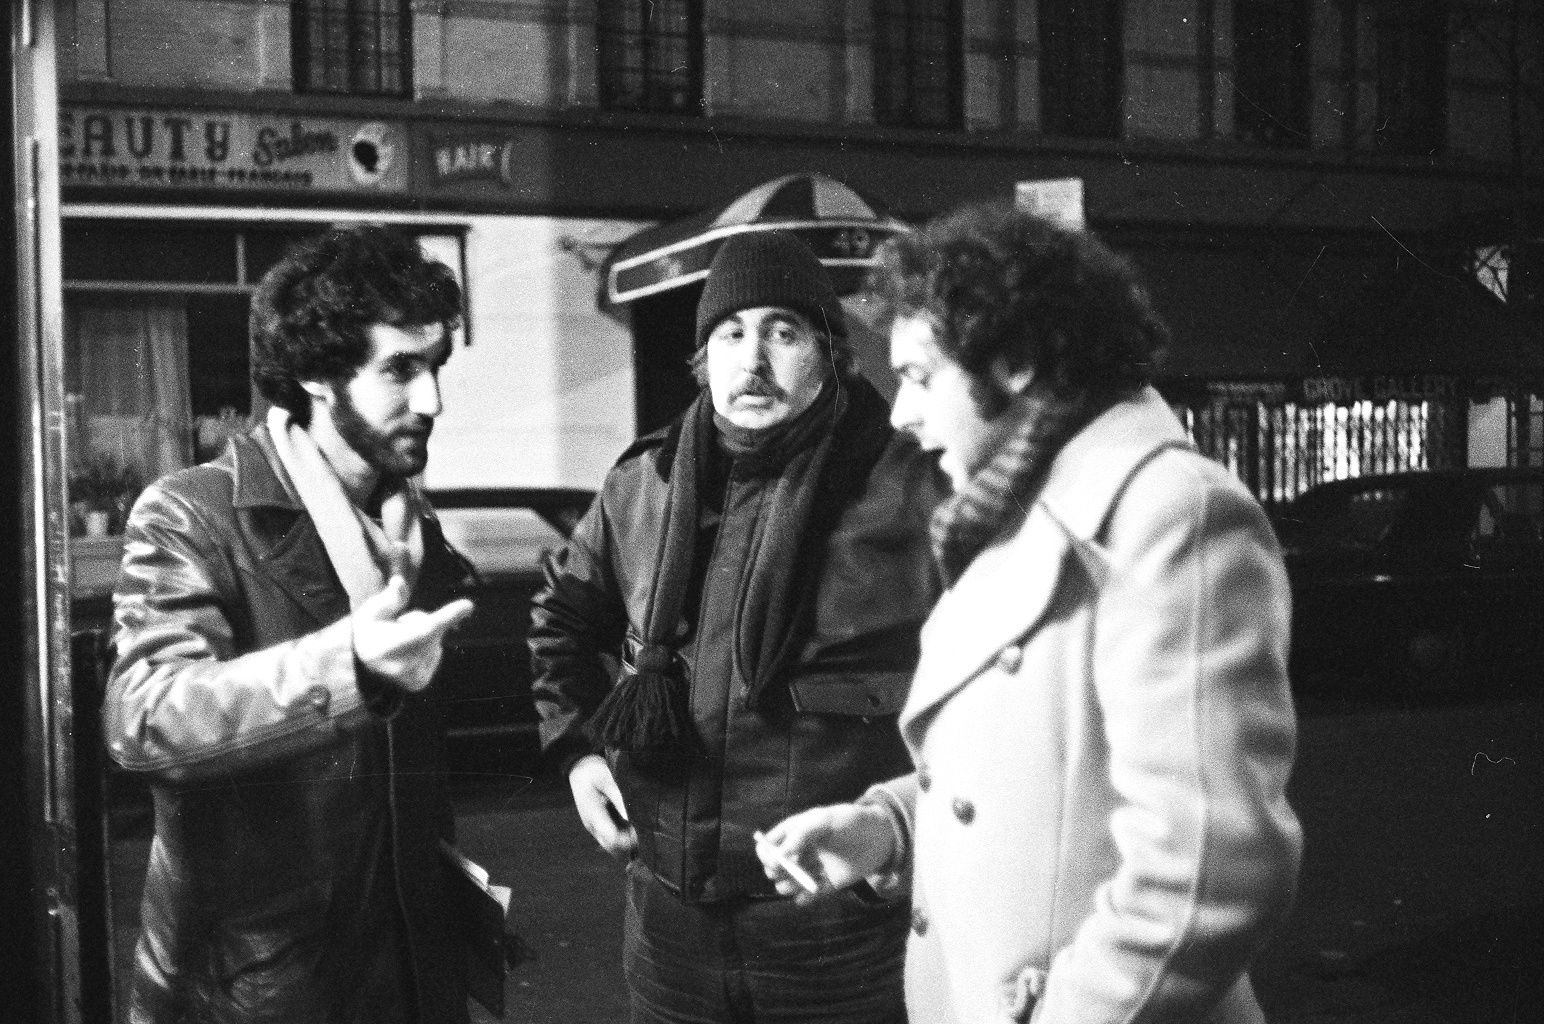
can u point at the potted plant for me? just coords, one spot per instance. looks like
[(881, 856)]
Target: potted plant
[(101, 494)]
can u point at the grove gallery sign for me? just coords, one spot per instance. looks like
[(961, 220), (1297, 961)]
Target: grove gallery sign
[(125, 147)]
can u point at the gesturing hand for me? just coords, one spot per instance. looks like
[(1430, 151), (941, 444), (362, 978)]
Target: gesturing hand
[(399, 645)]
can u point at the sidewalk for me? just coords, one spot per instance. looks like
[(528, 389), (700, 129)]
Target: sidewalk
[(567, 904), (1422, 891), (1421, 898)]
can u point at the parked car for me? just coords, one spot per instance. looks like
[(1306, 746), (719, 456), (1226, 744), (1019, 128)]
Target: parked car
[(506, 534), (1416, 578)]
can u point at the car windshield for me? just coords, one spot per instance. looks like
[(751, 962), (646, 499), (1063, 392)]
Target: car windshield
[(506, 531)]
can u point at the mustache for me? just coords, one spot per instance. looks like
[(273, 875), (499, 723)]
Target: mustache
[(421, 429), (758, 387)]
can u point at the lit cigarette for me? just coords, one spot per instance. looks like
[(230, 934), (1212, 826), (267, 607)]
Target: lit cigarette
[(787, 863)]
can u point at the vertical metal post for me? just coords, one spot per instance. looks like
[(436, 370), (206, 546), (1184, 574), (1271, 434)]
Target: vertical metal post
[(39, 378)]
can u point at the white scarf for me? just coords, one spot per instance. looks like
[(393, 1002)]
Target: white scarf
[(359, 548)]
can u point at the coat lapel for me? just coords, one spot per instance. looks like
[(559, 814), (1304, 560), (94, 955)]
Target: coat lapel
[(1003, 595), (289, 550), (1000, 597)]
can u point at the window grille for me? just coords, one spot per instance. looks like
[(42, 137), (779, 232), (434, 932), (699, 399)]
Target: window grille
[(1525, 431), (1270, 48), (1412, 76), (917, 63), (358, 47), (1081, 68), (650, 55), (1280, 450)]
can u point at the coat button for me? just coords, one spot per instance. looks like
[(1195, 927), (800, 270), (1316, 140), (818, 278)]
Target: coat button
[(1010, 658), (924, 780), (964, 810), (918, 921)]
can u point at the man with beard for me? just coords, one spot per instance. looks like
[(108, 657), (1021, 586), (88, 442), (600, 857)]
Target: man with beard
[(275, 641), (760, 570)]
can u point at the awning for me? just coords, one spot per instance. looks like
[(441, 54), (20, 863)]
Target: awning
[(1263, 309), (1421, 319), (840, 226)]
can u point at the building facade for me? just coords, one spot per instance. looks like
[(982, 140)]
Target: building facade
[(1336, 202)]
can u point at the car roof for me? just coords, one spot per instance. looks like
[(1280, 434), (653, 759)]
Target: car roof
[(1434, 478), (561, 507)]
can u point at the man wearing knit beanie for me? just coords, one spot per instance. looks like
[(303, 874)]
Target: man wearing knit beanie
[(760, 569)]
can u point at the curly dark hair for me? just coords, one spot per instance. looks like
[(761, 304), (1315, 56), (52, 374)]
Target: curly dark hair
[(312, 311), (997, 282)]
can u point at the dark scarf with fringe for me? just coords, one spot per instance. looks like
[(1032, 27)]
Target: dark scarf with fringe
[(1002, 490), (649, 707)]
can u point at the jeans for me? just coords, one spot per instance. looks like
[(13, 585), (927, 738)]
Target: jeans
[(765, 961)]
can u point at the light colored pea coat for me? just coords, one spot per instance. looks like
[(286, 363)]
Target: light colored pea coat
[(1103, 731)]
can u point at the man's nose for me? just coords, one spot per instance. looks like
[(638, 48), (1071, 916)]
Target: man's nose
[(424, 397), (753, 356), (902, 414)]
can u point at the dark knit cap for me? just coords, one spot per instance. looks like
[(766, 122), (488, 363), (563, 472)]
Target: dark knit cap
[(768, 268)]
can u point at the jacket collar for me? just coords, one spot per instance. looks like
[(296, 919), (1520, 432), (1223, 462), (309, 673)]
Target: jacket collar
[(1004, 593), (288, 548), (258, 476), (1092, 469)]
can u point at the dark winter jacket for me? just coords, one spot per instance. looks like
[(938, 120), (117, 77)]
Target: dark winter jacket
[(296, 873), (826, 729)]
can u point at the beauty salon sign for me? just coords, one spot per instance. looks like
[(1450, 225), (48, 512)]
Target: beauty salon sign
[(125, 147)]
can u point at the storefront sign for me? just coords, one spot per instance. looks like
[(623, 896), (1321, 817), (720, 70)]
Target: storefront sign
[(1376, 388), (144, 148), (1271, 392), (470, 159)]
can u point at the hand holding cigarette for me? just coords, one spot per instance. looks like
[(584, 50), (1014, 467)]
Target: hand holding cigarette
[(849, 842), (765, 848)]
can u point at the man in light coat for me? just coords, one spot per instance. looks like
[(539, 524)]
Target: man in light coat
[(1096, 828)]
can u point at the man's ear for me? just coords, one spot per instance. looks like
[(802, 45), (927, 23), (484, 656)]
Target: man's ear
[(317, 390), (1012, 382)]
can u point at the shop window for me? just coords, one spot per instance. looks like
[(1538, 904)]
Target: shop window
[(181, 254), (1270, 54), (917, 63), (650, 55), (128, 395), (157, 365), (1280, 449), (358, 47), (1412, 77), (1081, 68)]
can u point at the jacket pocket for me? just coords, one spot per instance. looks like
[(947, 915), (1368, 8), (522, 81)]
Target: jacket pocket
[(271, 955), (869, 695)]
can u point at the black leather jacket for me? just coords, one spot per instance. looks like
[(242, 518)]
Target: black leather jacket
[(295, 873), (829, 732)]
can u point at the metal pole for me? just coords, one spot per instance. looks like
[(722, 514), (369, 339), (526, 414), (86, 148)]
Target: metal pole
[(48, 738)]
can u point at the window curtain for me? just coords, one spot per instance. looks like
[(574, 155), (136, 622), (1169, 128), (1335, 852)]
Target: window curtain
[(135, 400)]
